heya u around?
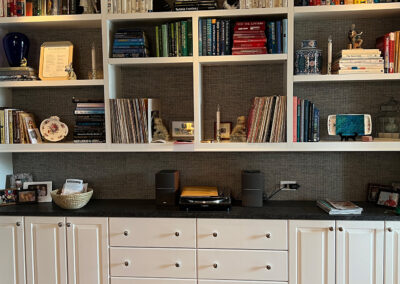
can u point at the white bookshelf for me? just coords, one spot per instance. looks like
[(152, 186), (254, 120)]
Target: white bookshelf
[(112, 74)]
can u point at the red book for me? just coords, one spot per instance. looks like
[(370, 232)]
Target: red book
[(383, 44), (246, 35), (249, 40), (14, 8), (311, 3), (392, 44), (250, 51), (317, 2), (294, 119), (248, 45), (253, 23), (249, 28)]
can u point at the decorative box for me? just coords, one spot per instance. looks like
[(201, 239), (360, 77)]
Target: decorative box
[(308, 58)]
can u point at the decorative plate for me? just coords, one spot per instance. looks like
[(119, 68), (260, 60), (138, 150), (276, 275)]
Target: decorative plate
[(53, 130)]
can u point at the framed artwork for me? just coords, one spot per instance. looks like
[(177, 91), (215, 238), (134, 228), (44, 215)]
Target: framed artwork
[(388, 198), (43, 189), (54, 59), (374, 189), (182, 129), (27, 196), (226, 130)]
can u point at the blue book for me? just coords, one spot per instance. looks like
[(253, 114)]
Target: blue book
[(209, 35), (127, 44), (228, 47), (316, 125), (298, 121), (121, 40), (278, 34), (302, 121), (306, 115), (204, 35), (284, 35), (200, 38), (214, 37), (269, 37), (222, 38)]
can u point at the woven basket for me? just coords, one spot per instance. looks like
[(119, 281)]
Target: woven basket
[(72, 201)]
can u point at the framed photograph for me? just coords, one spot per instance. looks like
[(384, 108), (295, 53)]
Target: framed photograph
[(374, 189), (396, 186), (8, 197), (27, 196), (388, 198), (17, 181), (54, 58), (226, 129), (43, 189), (182, 129)]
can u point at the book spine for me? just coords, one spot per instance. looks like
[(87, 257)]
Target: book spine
[(218, 37), (387, 53), (298, 118), (178, 38), (284, 35), (278, 37), (310, 122), (190, 37), (222, 37), (200, 37), (302, 121), (204, 36), (269, 38), (157, 41), (213, 37), (391, 52), (184, 38), (228, 42), (306, 114), (316, 125), (165, 40), (209, 37), (294, 119)]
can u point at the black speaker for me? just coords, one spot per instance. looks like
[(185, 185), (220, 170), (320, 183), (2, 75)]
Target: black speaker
[(167, 187), (252, 189)]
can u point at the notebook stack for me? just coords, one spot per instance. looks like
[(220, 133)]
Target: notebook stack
[(358, 61), (130, 43), (339, 207), (249, 38), (89, 121), (18, 74)]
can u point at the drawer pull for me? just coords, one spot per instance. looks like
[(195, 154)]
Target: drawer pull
[(268, 267), (126, 233), (340, 229), (215, 265), (68, 225), (177, 264), (60, 224), (390, 230), (18, 224), (331, 229), (215, 234), (126, 263), (268, 235), (177, 234)]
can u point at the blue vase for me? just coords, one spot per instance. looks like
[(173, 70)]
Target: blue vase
[(16, 47)]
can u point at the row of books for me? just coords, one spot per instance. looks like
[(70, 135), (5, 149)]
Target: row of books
[(18, 8), (358, 61), (249, 4), (132, 119), (130, 43), (267, 120), (89, 121), (18, 74), (129, 6), (174, 39), (305, 121), (339, 2), (18, 127), (339, 207), (389, 45), (195, 5)]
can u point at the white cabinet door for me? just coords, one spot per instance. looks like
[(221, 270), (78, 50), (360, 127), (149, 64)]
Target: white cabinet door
[(359, 252), (392, 253), (12, 256), (128, 280), (312, 252), (87, 250), (46, 257)]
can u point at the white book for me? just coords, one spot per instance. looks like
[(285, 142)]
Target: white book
[(361, 71), (2, 8), (128, 7), (133, 6), (143, 6), (248, 4), (124, 6), (119, 7), (242, 4)]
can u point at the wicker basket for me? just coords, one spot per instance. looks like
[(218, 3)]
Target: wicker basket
[(72, 201)]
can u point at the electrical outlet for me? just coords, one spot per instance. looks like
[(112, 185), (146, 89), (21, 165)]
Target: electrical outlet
[(285, 185)]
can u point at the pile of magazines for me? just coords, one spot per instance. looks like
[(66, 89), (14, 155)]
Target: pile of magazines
[(339, 207)]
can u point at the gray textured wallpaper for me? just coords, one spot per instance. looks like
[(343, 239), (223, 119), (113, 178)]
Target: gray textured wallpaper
[(131, 175)]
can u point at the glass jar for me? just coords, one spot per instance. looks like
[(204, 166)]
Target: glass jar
[(389, 120), (308, 58)]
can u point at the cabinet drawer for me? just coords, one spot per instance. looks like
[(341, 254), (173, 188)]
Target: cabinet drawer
[(242, 234), (153, 232), (126, 280), (152, 262), (236, 282), (243, 265)]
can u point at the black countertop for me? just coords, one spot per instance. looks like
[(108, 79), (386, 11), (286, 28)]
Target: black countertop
[(146, 208)]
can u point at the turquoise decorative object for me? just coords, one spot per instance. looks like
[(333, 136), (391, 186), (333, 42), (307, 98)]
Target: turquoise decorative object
[(349, 125), (308, 58)]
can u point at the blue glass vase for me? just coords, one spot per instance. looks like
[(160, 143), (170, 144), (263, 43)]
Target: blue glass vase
[(16, 47)]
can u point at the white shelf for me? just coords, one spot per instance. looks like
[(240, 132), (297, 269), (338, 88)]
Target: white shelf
[(153, 61), (44, 84), (344, 78), (242, 12), (242, 59), (358, 10), (65, 21)]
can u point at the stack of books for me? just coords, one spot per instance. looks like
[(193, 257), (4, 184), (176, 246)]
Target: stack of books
[(305, 121), (18, 127), (89, 121), (129, 6), (174, 39), (249, 4), (249, 38), (132, 120), (267, 120), (130, 43), (339, 207), (277, 36), (186, 5), (214, 37), (207, 4), (389, 45), (358, 61), (17, 74)]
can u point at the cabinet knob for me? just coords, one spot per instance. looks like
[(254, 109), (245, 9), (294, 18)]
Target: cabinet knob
[(18, 224), (126, 263), (60, 224), (177, 264), (340, 229), (268, 235), (126, 233), (331, 229), (177, 234), (215, 234), (215, 265), (68, 225), (390, 230), (268, 267)]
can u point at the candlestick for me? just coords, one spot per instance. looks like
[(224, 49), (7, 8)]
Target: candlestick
[(218, 130), (93, 61), (329, 55)]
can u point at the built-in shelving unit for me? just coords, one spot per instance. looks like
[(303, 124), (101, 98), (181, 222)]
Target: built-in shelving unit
[(114, 68)]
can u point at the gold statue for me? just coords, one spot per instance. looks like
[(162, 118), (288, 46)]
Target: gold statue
[(160, 132), (239, 133), (355, 38), (70, 71)]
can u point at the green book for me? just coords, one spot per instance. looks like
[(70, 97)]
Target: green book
[(184, 38), (178, 38), (173, 42), (165, 40), (157, 41), (190, 38)]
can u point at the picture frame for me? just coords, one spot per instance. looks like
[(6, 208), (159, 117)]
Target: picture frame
[(388, 198), (182, 129), (226, 130), (8, 197), (43, 189), (396, 186), (27, 196), (54, 58), (374, 189), (16, 181)]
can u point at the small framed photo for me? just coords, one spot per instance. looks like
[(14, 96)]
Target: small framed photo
[(388, 198), (8, 197), (226, 129), (182, 129), (27, 196), (16, 181), (374, 189), (396, 186), (43, 189)]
